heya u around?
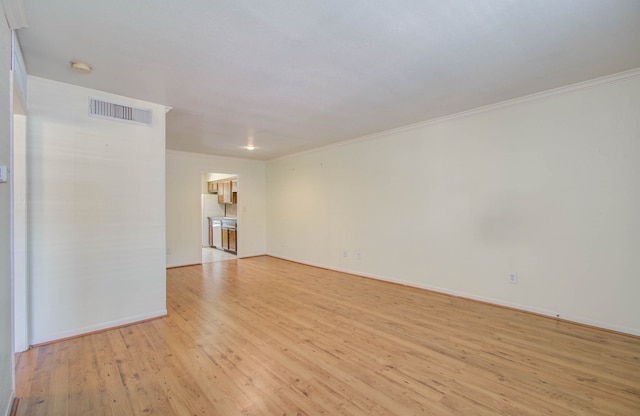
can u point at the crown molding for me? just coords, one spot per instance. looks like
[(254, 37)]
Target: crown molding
[(608, 79)]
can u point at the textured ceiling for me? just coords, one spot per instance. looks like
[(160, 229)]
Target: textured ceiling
[(294, 75)]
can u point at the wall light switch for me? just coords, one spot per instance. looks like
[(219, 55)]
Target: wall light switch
[(3, 173)]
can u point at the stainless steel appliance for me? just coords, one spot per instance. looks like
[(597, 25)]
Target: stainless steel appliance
[(216, 230)]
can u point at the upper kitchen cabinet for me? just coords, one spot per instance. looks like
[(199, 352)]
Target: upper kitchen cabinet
[(224, 192), (228, 192), (234, 191)]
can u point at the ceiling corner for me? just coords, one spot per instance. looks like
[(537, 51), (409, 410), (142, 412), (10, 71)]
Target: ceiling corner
[(15, 14)]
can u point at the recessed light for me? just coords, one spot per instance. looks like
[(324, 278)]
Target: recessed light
[(250, 147), (81, 67)]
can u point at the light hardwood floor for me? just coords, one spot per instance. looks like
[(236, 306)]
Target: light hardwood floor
[(263, 336)]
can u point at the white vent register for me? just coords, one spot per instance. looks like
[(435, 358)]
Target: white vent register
[(112, 111)]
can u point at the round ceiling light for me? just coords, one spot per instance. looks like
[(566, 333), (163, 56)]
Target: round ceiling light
[(81, 67)]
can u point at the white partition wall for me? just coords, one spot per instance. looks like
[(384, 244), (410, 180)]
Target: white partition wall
[(547, 187), (96, 213), (6, 324), (19, 165)]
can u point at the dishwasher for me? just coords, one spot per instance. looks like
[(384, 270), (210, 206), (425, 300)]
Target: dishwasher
[(216, 232)]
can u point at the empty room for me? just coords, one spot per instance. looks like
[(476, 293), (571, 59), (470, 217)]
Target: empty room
[(320, 207)]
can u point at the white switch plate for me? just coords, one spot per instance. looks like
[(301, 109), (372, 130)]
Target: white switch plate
[(3, 173)]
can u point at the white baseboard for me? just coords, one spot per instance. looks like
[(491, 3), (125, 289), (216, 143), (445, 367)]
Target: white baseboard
[(97, 327), (526, 308), (7, 411)]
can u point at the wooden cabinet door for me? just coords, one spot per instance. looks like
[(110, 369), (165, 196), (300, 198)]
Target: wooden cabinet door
[(212, 187), (224, 192), (225, 239), (227, 191), (210, 233), (220, 194), (233, 245), (234, 192)]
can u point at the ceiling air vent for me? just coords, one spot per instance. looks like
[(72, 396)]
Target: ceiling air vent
[(113, 111)]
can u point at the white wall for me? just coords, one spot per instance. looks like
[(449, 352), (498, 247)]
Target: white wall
[(547, 187), (184, 174), (6, 332), (19, 177), (96, 210)]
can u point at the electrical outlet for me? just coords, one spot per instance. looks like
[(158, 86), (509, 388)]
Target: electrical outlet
[(513, 278), (345, 254), (168, 250), (358, 255)]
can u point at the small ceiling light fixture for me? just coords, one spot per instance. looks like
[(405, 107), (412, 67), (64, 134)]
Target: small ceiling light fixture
[(250, 145), (81, 67)]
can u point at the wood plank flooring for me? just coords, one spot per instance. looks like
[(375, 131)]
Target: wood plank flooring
[(263, 336)]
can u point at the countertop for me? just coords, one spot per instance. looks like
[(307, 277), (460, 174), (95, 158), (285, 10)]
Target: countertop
[(227, 219)]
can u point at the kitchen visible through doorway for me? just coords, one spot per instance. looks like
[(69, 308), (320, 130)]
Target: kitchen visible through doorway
[(219, 217)]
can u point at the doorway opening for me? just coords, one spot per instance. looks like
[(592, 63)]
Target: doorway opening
[(219, 216)]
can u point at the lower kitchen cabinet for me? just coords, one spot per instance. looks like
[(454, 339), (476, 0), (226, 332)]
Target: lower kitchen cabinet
[(225, 239), (233, 246), (229, 240), (210, 228)]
